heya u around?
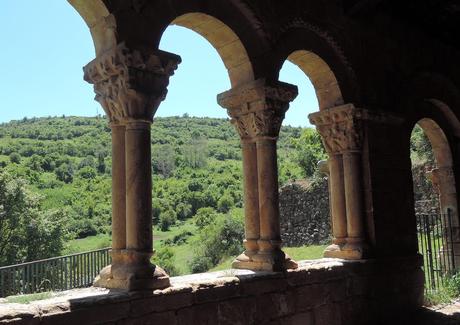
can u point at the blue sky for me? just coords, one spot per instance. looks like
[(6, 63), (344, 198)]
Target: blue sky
[(44, 48)]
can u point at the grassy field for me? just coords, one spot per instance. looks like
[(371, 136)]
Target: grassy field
[(26, 299), (183, 250), (87, 244), (296, 253)]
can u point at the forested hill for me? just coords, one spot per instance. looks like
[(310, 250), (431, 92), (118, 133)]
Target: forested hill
[(61, 167)]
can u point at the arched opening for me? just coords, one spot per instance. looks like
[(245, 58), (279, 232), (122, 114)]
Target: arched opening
[(225, 41), (197, 187), (321, 76), (100, 23), (435, 199), (54, 146), (304, 198)]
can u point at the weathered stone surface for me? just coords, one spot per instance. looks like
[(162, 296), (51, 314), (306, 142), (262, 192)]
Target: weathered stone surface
[(304, 213), (201, 314), (323, 292)]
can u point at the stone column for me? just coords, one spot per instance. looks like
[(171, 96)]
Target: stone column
[(139, 236), (130, 85), (251, 202), (118, 197), (270, 254), (257, 110), (338, 208), (354, 204), (341, 131)]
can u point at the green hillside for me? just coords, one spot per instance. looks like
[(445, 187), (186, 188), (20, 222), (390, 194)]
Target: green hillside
[(64, 165)]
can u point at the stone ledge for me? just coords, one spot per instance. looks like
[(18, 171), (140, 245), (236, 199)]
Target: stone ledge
[(315, 284)]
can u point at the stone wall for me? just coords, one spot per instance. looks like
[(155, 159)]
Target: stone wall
[(426, 198), (324, 292), (304, 213)]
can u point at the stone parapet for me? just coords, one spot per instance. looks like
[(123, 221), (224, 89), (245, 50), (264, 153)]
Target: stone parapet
[(321, 292)]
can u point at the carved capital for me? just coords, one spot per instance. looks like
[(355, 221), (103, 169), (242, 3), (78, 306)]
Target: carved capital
[(342, 127), (130, 84), (257, 109)]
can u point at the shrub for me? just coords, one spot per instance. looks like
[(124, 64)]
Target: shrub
[(225, 203), (218, 240), (204, 217), (183, 211), (167, 219), (65, 173), (15, 158), (87, 173), (164, 258)]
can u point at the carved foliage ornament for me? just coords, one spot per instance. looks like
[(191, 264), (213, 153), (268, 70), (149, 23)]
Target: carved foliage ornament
[(258, 109), (341, 128), (130, 84)]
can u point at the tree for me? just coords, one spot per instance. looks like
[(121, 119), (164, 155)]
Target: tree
[(225, 203), (167, 219), (15, 158), (65, 173), (164, 257), (87, 173), (88, 161), (101, 163), (309, 151), (204, 217), (420, 145), (164, 159), (183, 211), (196, 151), (35, 163), (218, 240), (26, 233)]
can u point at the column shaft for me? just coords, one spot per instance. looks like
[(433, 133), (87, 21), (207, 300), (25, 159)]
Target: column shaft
[(118, 188), (338, 207), (251, 196), (138, 187), (268, 194), (353, 197)]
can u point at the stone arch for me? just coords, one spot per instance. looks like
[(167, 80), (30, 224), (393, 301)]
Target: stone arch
[(321, 76), (443, 180), (439, 142), (229, 46), (432, 95), (101, 23), (432, 102), (437, 122), (320, 57)]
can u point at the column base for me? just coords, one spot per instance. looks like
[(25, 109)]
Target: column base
[(132, 272), (352, 249), (273, 261)]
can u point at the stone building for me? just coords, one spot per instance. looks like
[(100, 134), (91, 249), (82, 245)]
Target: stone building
[(378, 68)]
